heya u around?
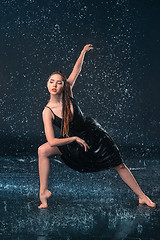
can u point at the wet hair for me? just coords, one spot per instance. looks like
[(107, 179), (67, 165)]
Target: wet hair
[(66, 111)]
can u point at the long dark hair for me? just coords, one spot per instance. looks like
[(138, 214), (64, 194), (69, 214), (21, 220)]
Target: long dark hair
[(67, 115)]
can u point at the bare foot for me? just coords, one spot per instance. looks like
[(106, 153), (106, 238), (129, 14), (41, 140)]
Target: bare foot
[(146, 200), (43, 197)]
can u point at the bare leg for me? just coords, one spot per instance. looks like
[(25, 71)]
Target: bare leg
[(44, 151), (129, 179)]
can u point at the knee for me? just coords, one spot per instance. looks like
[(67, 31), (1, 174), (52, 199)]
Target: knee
[(120, 167), (41, 150)]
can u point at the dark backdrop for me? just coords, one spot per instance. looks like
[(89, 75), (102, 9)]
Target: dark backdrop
[(119, 83)]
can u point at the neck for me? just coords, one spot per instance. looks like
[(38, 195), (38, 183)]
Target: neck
[(56, 99)]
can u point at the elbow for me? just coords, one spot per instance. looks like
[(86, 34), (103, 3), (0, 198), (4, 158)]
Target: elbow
[(52, 143), (78, 68)]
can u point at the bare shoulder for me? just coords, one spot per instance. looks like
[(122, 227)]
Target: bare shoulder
[(47, 114)]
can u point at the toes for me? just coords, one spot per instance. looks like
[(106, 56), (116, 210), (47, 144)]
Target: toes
[(150, 204), (42, 206), (153, 205)]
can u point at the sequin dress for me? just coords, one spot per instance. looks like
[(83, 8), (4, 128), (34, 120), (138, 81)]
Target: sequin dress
[(103, 152)]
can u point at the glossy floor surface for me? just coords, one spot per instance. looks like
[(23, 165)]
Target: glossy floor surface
[(82, 206)]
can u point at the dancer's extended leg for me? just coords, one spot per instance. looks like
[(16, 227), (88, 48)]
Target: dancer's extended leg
[(44, 151), (129, 179)]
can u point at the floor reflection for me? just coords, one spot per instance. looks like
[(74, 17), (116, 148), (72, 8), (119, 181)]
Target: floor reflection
[(82, 206)]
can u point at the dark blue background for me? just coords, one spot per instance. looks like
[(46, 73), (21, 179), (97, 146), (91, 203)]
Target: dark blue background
[(119, 82), (119, 86)]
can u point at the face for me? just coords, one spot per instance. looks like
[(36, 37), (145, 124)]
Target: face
[(55, 84)]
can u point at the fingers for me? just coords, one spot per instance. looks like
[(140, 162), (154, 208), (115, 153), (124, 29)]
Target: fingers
[(88, 47), (86, 147), (84, 144)]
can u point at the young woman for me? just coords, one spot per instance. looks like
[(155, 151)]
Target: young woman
[(83, 145)]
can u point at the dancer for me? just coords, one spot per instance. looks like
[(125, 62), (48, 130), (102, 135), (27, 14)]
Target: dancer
[(83, 145)]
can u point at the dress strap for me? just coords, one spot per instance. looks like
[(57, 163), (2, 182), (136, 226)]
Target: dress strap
[(71, 98), (51, 111)]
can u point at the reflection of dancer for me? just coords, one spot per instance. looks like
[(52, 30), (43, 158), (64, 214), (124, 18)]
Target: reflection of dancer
[(84, 145)]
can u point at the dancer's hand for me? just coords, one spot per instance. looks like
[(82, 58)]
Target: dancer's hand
[(88, 47), (82, 143)]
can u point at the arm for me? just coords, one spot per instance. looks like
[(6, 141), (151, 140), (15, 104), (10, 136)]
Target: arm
[(48, 118), (78, 65)]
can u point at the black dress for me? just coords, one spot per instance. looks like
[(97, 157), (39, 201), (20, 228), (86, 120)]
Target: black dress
[(102, 154)]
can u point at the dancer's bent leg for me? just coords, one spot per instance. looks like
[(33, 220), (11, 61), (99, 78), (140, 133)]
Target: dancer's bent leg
[(44, 151), (129, 179)]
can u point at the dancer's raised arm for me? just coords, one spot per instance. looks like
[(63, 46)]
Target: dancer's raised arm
[(78, 65)]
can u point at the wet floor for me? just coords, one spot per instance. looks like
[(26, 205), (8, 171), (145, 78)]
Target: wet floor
[(83, 205)]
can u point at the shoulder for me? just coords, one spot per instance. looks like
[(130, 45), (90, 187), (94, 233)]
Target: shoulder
[(47, 113)]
